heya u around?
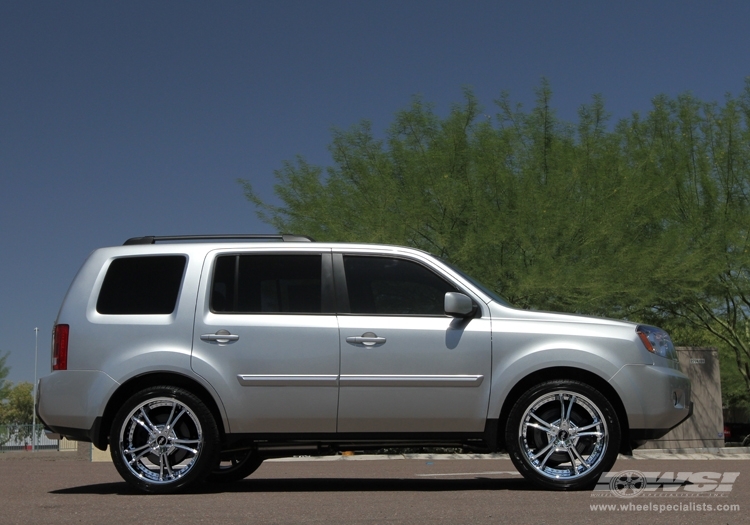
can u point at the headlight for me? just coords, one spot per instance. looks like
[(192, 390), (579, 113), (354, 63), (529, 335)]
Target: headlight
[(657, 341)]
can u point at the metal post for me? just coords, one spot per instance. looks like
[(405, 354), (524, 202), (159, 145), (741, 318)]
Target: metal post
[(33, 425)]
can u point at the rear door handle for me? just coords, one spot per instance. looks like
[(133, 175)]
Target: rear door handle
[(221, 337), (367, 339)]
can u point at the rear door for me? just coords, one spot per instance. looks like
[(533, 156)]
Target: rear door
[(267, 340), (405, 365)]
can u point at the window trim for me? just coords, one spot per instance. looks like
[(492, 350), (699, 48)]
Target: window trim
[(96, 297), (327, 300), (342, 292)]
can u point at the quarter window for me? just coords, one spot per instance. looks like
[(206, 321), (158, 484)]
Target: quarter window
[(389, 286), (141, 285), (267, 284)]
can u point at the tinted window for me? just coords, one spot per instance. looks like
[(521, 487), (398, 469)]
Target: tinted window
[(141, 285), (381, 285), (267, 284)]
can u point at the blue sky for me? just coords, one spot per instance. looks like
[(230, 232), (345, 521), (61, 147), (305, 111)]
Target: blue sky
[(121, 119)]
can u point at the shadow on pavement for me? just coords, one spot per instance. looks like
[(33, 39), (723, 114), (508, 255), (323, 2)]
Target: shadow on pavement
[(323, 485)]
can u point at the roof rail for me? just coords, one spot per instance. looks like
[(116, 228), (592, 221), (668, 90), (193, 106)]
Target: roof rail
[(286, 237)]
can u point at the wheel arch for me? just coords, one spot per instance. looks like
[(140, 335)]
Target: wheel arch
[(547, 374), (138, 383)]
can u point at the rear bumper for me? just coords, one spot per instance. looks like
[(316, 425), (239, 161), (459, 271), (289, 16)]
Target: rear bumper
[(77, 434), (68, 402)]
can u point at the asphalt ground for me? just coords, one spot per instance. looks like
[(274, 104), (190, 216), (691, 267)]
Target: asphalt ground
[(53, 487)]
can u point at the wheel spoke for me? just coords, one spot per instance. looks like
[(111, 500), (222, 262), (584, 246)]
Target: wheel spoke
[(570, 407), (597, 434), (544, 461), (144, 425), (540, 427), (136, 449), (548, 426), (592, 425), (580, 458), (171, 415), (151, 426), (139, 456), (183, 447), (533, 456), (169, 468), (161, 467), (172, 422), (185, 441), (572, 460)]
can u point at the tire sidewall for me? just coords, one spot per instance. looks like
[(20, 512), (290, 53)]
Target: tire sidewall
[(240, 471), (515, 448)]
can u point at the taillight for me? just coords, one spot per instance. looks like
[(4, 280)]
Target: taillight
[(60, 347)]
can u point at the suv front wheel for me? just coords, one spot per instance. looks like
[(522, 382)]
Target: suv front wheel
[(163, 439), (562, 435)]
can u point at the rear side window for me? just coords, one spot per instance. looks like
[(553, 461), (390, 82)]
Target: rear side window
[(267, 284), (141, 285)]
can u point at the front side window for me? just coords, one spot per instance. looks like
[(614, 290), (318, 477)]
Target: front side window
[(141, 285), (389, 286), (267, 284)]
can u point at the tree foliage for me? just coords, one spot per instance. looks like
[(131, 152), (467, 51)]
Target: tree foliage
[(4, 383), (17, 412), (645, 219), (18, 407)]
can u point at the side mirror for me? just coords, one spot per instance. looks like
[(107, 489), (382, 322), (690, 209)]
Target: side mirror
[(459, 305)]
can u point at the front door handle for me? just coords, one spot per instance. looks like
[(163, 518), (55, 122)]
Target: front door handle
[(367, 339), (221, 337)]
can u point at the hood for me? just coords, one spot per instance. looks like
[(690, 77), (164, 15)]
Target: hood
[(498, 311)]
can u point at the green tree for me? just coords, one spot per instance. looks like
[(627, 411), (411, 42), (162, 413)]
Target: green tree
[(18, 410), (702, 152), (19, 405), (4, 383), (646, 219)]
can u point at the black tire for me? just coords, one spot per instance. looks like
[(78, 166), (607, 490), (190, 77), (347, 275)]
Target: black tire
[(562, 435), (235, 466), (163, 440)]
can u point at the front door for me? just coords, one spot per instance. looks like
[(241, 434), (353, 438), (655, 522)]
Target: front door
[(405, 365)]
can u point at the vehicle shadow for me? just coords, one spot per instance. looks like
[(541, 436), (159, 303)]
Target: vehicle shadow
[(261, 485)]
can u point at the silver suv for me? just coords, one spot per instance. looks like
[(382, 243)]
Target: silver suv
[(196, 361)]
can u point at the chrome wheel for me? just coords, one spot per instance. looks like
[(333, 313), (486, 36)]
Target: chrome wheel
[(563, 434), (163, 439)]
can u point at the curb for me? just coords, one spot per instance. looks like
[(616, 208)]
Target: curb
[(730, 453), (735, 453)]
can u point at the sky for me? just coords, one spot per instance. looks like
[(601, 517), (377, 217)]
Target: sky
[(128, 118)]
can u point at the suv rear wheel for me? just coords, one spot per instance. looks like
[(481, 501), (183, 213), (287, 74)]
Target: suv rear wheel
[(562, 435), (163, 439)]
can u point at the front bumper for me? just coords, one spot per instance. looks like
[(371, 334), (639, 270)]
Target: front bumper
[(639, 436), (655, 398)]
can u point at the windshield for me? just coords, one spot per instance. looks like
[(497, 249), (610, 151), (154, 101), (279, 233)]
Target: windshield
[(485, 289)]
